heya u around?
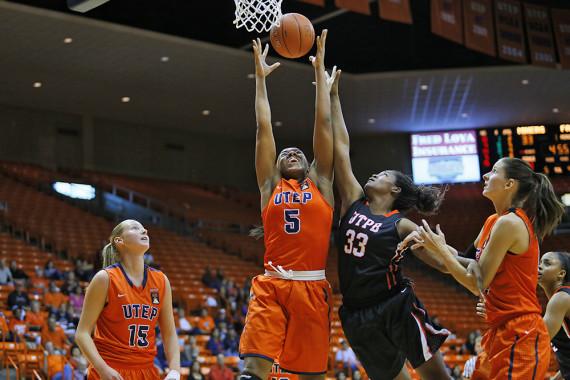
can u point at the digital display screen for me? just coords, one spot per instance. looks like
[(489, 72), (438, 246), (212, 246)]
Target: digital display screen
[(75, 190), (445, 157)]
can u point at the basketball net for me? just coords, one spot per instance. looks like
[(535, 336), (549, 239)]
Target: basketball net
[(258, 15)]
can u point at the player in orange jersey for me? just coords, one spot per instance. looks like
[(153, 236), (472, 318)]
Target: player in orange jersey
[(507, 253), (124, 302), (288, 317)]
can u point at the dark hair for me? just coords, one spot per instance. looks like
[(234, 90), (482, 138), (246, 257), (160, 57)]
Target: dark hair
[(564, 258), (424, 199), (535, 190)]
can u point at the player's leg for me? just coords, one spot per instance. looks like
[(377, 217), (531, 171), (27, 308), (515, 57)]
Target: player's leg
[(416, 336), (264, 330)]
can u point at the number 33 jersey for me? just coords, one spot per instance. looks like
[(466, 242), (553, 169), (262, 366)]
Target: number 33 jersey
[(297, 225), (369, 267), (125, 331)]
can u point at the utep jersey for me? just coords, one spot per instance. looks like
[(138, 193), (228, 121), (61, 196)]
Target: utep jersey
[(512, 292), (561, 343), (368, 264), (297, 225), (125, 331)]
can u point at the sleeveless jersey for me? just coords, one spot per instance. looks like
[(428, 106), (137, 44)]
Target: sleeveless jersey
[(125, 330), (512, 292), (561, 343), (369, 267), (297, 225)]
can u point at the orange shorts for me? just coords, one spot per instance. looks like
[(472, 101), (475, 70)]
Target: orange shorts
[(517, 350), (289, 322), (128, 374)]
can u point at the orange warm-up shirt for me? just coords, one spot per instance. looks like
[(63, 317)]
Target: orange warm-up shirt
[(297, 226), (512, 292), (125, 331)]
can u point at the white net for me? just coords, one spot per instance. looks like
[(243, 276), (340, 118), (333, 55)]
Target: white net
[(257, 15)]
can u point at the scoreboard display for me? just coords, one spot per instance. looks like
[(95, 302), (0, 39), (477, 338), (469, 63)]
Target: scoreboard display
[(545, 147)]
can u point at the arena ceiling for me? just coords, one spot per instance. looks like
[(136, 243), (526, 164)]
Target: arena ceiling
[(397, 77)]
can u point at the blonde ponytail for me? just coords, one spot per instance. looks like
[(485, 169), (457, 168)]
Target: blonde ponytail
[(110, 255)]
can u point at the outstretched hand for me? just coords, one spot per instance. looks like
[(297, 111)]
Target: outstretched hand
[(332, 80), (318, 60), (432, 241), (262, 69)]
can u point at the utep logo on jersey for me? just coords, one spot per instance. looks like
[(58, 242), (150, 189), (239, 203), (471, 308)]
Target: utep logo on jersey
[(304, 186), (292, 197), (154, 296), (357, 219), (131, 311)]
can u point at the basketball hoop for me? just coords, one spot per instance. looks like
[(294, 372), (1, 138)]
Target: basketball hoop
[(258, 15)]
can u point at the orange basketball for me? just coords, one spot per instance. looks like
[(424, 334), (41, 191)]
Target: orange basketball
[(294, 37)]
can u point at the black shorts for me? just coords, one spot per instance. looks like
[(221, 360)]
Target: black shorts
[(383, 336)]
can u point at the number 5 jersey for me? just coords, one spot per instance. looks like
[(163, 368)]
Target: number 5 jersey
[(125, 331), (368, 264), (297, 225)]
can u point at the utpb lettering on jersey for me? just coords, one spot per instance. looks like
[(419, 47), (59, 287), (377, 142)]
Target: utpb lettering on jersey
[(140, 311), (363, 221), (291, 197)]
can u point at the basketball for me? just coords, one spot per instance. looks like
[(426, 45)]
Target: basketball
[(294, 37)]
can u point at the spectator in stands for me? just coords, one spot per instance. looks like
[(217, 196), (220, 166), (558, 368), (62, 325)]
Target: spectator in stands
[(51, 272), (5, 274), (211, 301), (149, 259), (469, 346), (340, 375), (38, 272), (356, 375), (17, 273), (83, 270), (191, 349), (215, 344), (4, 329), (35, 318), (207, 277), (222, 299), (196, 371), (219, 279), (219, 371), (206, 323), (469, 366), (70, 283), (55, 334), (345, 356), (54, 298), (222, 317), (57, 368), (76, 299), (18, 325), (184, 326), (456, 373), (231, 343), (79, 364), (18, 297)]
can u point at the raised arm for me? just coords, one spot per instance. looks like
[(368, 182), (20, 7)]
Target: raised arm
[(265, 151), (322, 167), (169, 336), (348, 187)]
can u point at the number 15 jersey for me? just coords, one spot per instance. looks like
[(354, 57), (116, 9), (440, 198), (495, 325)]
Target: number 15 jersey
[(125, 330), (369, 267), (297, 225)]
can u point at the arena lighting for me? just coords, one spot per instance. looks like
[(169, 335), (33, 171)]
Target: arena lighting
[(83, 6), (566, 199), (75, 190)]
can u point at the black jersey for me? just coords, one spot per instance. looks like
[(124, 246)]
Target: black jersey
[(369, 269), (561, 344)]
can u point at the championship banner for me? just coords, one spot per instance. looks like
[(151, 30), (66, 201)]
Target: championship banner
[(320, 3), (561, 25), (396, 10), (479, 26), (446, 19), (539, 35), (358, 6), (510, 33)]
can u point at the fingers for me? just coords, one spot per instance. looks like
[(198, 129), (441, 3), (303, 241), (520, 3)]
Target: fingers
[(273, 67), (266, 50), (426, 226), (324, 37), (438, 230)]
